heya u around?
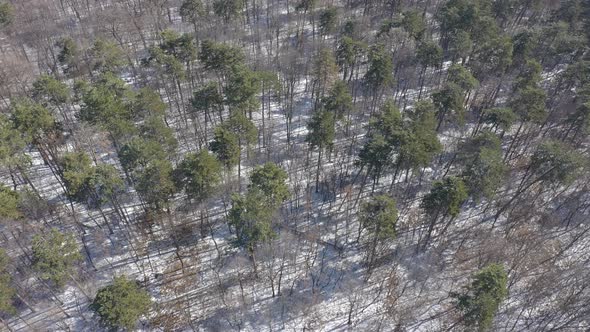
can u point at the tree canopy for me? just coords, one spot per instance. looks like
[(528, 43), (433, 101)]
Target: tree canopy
[(121, 304)]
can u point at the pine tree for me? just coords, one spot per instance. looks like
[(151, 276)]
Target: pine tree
[(226, 147), (242, 89), (69, 55), (325, 71), (198, 175), (12, 151), (154, 129), (528, 100), (444, 200), (321, 135), (147, 103), (121, 304), (459, 46), (9, 203), (328, 21), (376, 155), (499, 118), (338, 101), (47, 90), (251, 218), (192, 11), (33, 120), (105, 184), (155, 184), (245, 132), (7, 291), (77, 171), (414, 24), (419, 143), (462, 77), (484, 171), (378, 217), (348, 56), (379, 75), (6, 14), (106, 57), (54, 256), (138, 153), (270, 179), (108, 104), (554, 163), (449, 102), (251, 214), (220, 57), (228, 9), (205, 100), (482, 298), (428, 54)]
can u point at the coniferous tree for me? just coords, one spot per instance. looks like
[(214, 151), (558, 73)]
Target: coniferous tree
[(499, 118), (138, 153), (554, 163), (226, 147), (484, 170), (321, 135), (376, 155), (198, 174), (192, 11), (270, 179), (220, 57), (419, 143), (242, 89), (6, 14), (459, 46), (449, 102), (379, 75), (52, 94), (414, 24), (12, 152), (348, 56), (462, 77), (105, 186), (251, 219), (443, 201), (228, 10), (7, 291), (338, 101), (205, 100), (121, 304), (387, 130), (147, 103), (77, 170), (252, 214), (9, 203), (36, 124), (328, 21), (378, 216), (325, 72), (108, 103), (69, 55), (482, 298), (155, 184), (428, 54), (245, 132), (154, 129), (105, 57), (528, 100), (54, 256)]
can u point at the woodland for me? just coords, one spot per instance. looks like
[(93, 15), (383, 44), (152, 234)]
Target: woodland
[(296, 165)]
